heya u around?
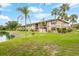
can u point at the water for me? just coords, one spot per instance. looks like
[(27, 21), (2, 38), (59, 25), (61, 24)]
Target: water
[(4, 36)]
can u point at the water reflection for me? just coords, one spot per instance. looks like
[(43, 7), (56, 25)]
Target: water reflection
[(4, 36)]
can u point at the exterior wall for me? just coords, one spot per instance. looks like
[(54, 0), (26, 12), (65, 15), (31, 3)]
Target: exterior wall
[(33, 27), (60, 24), (53, 25), (50, 26), (28, 28), (40, 28)]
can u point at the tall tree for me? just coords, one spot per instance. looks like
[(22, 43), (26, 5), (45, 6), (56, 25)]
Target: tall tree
[(43, 24), (63, 9), (11, 25), (29, 21), (25, 11), (0, 7), (19, 18), (73, 18), (55, 12), (66, 17)]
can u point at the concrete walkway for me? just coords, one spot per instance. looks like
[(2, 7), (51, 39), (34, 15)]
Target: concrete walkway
[(17, 34)]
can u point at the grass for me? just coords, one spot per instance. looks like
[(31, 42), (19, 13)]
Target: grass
[(42, 44)]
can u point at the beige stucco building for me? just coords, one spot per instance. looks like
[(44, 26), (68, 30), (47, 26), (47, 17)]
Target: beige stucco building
[(50, 25)]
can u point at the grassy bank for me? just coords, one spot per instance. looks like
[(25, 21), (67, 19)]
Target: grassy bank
[(42, 44)]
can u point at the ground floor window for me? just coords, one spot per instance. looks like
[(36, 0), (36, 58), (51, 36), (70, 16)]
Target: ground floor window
[(53, 28)]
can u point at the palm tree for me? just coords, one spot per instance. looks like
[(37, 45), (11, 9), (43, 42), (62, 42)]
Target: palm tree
[(73, 18), (29, 21), (43, 24), (0, 7), (63, 9), (25, 11), (20, 17), (55, 12), (66, 17)]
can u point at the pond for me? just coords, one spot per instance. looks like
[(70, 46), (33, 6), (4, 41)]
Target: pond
[(4, 36)]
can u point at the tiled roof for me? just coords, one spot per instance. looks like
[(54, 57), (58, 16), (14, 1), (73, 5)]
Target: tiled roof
[(48, 21), (64, 21), (44, 21)]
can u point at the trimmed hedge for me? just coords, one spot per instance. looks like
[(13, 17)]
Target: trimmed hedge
[(21, 29), (63, 30)]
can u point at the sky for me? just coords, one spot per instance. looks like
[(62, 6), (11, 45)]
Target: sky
[(38, 11)]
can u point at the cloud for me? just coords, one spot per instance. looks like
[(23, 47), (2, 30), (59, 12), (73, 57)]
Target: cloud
[(3, 17), (45, 3), (4, 4), (56, 6), (35, 9), (42, 15), (3, 7), (74, 5), (78, 20)]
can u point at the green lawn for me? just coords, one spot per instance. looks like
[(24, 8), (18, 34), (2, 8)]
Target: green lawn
[(42, 44)]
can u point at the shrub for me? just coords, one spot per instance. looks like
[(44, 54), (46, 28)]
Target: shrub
[(49, 30), (76, 26), (2, 27), (61, 30), (21, 29), (32, 30), (69, 30), (11, 25), (33, 33)]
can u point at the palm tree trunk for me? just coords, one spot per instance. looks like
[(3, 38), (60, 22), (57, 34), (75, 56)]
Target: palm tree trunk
[(30, 22), (55, 17), (25, 22), (55, 27), (72, 25), (0, 7)]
